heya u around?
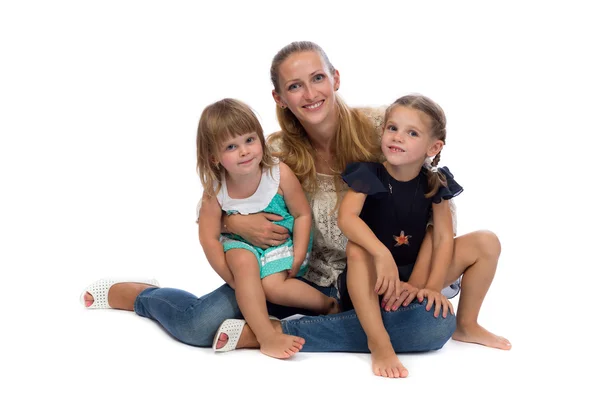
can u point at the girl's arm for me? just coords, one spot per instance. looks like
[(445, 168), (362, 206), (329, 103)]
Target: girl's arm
[(296, 202), (357, 231), (443, 245), (209, 232), (420, 274), (354, 228)]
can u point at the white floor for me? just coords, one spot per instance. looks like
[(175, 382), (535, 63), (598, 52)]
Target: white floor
[(99, 112)]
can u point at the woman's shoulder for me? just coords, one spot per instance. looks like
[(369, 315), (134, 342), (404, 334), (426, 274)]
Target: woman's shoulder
[(374, 114)]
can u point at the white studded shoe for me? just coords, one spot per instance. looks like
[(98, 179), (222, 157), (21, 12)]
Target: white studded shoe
[(99, 290)]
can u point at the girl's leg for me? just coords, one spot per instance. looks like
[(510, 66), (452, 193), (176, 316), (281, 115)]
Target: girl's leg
[(411, 329), (296, 293), (252, 302), (361, 281), (475, 257)]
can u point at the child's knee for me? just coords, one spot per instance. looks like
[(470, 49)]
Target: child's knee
[(489, 244), (241, 261)]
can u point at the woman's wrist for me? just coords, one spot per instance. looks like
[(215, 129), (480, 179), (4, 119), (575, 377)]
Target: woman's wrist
[(227, 224)]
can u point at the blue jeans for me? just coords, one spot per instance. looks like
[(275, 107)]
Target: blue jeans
[(195, 321)]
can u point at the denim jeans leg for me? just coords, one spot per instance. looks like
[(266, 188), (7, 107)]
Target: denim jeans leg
[(189, 319), (411, 329)]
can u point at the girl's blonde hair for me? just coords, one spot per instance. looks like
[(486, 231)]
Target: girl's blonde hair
[(219, 121), (437, 121), (356, 138)]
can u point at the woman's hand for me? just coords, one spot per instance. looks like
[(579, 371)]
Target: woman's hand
[(258, 229), (407, 294), (435, 298)]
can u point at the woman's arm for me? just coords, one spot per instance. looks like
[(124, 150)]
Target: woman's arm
[(296, 202), (209, 232), (258, 229), (443, 245)]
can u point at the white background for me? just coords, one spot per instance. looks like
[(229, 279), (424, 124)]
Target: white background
[(99, 104)]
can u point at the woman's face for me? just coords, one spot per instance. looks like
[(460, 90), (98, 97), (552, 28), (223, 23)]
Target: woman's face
[(307, 87)]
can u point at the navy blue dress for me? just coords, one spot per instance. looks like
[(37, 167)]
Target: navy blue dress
[(397, 212)]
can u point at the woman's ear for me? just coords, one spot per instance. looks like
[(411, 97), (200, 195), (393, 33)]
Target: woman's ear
[(336, 80), (278, 99)]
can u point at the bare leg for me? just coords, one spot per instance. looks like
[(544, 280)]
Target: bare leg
[(361, 281), (295, 293), (121, 295), (422, 268), (252, 302), (475, 257)]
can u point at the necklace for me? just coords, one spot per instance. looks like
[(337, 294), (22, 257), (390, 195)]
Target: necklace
[(402, 238), (322, 158)]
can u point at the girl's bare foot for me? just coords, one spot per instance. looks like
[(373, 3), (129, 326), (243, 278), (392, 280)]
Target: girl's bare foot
[(120, 295), (475, 333), (280, 345), (385, 363), (248, 340)]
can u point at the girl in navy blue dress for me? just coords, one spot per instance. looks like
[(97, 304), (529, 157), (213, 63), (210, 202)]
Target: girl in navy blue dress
[(385, 216)]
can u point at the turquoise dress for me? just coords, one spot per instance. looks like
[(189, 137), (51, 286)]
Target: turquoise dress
[(265, 199)]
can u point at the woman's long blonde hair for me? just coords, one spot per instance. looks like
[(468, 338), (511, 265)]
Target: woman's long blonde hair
[(356, 138), (219, 121)]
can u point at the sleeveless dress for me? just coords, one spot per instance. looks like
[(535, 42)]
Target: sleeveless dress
[(265, 199)]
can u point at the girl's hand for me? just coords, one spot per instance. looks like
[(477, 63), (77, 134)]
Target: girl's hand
[(258, 229), (435, 298), (294, 271), (388, 282), (407, 294)]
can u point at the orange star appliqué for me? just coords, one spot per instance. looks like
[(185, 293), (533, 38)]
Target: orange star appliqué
[(402, 239)]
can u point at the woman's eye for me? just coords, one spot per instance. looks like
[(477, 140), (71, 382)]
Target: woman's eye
[(319, 77), (293, 86)]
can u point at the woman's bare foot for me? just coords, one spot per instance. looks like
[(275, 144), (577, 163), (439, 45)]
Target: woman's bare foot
[(280, 345), (475, 333), (120, 296), (385, 363)]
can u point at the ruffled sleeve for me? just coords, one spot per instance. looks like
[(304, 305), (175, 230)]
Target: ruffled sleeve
[(363, 177), (452, 190)]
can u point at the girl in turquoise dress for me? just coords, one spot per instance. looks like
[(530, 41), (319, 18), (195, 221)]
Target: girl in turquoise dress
[(240, 176)]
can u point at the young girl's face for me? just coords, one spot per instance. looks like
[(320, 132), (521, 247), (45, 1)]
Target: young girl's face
[(241, 155), (407, 138)]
